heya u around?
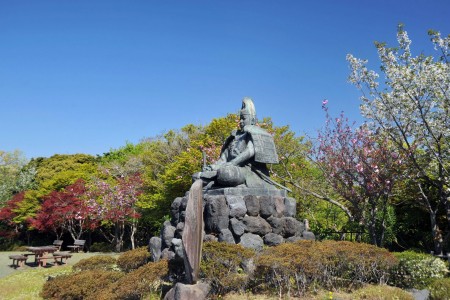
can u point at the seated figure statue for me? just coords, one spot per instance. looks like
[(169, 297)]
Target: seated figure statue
[(244, 156)]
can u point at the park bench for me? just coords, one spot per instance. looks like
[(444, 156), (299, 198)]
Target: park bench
[(57, 244), (77, 245), (62, 256), (18, 260)]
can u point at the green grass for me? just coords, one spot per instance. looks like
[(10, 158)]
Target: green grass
[(27, 285)]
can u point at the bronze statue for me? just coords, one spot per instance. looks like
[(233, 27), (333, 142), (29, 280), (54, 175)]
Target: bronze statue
[(244, 155)]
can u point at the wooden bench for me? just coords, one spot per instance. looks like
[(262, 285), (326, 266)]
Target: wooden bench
[(77, 245), (18, 260), (57, 244), (62, 256), (42, 260)]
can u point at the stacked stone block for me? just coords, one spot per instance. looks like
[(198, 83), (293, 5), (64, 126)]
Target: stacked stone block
[(251, 218)]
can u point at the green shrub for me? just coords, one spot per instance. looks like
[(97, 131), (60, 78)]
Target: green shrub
[(298, 267), (98, 262), (138, 284), (381, 292), (101, 247), (133, 259), (440, 289), (223, 265), (11, 245), (417, 270), (20, 248), (79, 285)]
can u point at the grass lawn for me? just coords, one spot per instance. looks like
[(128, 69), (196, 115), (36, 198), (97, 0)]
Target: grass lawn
[(26, 282)]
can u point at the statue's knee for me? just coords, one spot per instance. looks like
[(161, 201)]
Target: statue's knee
[(230, 176)]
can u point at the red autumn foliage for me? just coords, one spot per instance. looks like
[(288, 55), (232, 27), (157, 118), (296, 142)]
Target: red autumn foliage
[(65, 210), (7, 212)]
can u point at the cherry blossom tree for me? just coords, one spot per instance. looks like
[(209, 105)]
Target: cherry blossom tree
[(361, 168), (411, 108), (113, 203)]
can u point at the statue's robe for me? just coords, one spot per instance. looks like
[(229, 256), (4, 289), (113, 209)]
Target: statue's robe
[(253, 172)]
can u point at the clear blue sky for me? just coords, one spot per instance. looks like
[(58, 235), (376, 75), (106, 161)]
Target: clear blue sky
[(88, 76)]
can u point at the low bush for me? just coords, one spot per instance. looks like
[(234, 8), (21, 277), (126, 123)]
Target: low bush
[(20, 248), (79, 285), (11, 245), (440, 289), (417, 270), (381, 292), (101, 247), (98, 262), (305, 265), (133, 259), (226, 266), (138, 284), (7, 241)]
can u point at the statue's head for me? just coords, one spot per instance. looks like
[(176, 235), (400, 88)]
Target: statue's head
[(248, 113)]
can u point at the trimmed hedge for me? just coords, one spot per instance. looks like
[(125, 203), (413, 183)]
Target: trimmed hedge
[(133, 259), (224, 266), (98, 262), (138, 284), (103, 284), (79, 285), (305, 265)]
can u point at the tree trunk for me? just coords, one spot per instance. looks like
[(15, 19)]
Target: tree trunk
[(437, 234), (58, 234), (116, 237), (435, 231), (122, 233), (89, 240), (372, 222), (382, 232), (447, 209), (133, 231)]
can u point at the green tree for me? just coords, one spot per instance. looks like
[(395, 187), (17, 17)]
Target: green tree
[(61, 170), (15, 175), (170, 160)]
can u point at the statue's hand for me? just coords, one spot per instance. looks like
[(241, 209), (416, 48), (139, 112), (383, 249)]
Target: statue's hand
[(212, 167)]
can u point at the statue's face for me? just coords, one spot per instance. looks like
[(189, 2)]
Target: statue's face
[(245, 120)]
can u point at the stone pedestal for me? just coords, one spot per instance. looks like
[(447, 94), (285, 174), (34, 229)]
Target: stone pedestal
[(182, 291), (251, 217)]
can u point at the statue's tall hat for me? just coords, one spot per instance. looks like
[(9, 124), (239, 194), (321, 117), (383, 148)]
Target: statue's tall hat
[(248, 109)]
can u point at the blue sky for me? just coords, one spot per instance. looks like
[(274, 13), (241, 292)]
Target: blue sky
[(88, 76)]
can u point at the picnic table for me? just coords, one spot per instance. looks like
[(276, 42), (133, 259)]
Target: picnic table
[(40, 254)]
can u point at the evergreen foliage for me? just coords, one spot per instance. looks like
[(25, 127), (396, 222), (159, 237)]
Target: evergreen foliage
[(133, 259), (98, 262)]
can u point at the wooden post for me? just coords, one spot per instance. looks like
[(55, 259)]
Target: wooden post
[(193, 232)]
